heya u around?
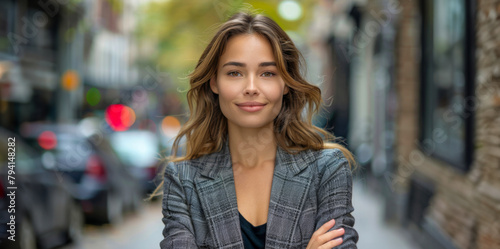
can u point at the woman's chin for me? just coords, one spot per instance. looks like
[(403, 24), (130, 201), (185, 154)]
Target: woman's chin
[(251, 124)]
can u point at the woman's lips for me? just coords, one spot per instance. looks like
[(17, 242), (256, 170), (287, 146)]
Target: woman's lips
[(251, 107)]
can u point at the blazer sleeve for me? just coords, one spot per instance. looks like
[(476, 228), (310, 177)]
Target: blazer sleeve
[(335, 196), (178, 231)]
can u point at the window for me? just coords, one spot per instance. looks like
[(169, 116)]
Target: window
[(7, 19), (447, 81)]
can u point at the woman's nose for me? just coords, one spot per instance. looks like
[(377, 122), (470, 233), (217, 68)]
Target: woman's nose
[(251, 86)]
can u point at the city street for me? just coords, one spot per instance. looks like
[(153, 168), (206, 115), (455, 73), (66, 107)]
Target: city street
[(94, 93), (142, 230)]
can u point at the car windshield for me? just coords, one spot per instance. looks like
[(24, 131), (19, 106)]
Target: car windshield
[(136, 148)]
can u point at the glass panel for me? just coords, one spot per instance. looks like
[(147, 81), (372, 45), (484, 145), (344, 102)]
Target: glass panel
[(444, 121)]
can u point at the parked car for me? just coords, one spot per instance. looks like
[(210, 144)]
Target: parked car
[(140, 151), (103, 185), (45, 213)]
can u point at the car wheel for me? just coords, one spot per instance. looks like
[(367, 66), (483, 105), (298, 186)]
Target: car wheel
[(76, 223), (114, 210), (27, 235)]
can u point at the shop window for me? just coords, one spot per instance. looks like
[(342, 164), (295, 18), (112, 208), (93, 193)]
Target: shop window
[(447, 69)]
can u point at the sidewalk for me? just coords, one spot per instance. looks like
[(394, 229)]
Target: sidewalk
[(373, 232)]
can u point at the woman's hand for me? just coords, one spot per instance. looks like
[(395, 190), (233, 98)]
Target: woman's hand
[(322, 239)]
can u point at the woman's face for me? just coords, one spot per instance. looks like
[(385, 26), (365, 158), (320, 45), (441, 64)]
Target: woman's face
[(248, 83)]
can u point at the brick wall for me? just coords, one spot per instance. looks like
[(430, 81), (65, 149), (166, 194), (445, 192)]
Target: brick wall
[(466, 206), (407, 86), (486, 170)]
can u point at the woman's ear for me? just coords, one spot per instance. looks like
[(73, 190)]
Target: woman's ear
[(213, 85)]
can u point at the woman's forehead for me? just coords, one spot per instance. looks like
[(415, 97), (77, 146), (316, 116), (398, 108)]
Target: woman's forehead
[(247, 49)]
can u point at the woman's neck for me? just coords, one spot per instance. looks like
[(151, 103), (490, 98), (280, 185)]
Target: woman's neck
[(251, 147)]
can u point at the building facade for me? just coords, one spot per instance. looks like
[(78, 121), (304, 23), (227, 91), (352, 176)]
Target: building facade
[(424, 105), (448, 85)]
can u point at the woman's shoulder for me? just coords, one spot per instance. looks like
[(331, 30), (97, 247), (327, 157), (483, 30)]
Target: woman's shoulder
[(331, 153), (181, 167), (331, 159), (189, 167)]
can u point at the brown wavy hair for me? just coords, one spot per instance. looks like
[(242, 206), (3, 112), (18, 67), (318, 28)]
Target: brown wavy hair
[(206, 129)]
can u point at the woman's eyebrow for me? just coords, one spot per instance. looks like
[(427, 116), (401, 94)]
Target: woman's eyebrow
[(267, 64), (234, 63), (239, 64)]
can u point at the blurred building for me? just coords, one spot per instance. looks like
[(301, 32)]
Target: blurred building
[(44, 47), (61, 61), (331, 31), (114, 70), (33, 56), (422, 79)]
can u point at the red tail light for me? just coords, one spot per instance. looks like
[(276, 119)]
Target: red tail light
[(95, 168)]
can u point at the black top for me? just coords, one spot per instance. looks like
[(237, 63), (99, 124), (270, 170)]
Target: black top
[(253, 237)]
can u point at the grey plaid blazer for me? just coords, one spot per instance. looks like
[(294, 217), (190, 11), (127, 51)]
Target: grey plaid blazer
[(308, 189)]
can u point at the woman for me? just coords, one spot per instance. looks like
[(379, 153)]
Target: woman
[(256, 173)]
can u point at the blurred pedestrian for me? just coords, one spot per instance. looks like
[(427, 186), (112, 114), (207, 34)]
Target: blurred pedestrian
[(256, 173)]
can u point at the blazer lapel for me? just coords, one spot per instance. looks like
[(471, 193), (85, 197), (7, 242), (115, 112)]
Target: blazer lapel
[(217, 194), (289, 190)]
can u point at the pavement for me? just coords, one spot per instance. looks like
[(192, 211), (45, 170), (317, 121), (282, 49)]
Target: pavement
[(142, 230), (374, 232)]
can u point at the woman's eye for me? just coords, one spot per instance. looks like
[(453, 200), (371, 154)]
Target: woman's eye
[(268, 74), (234, 74)]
